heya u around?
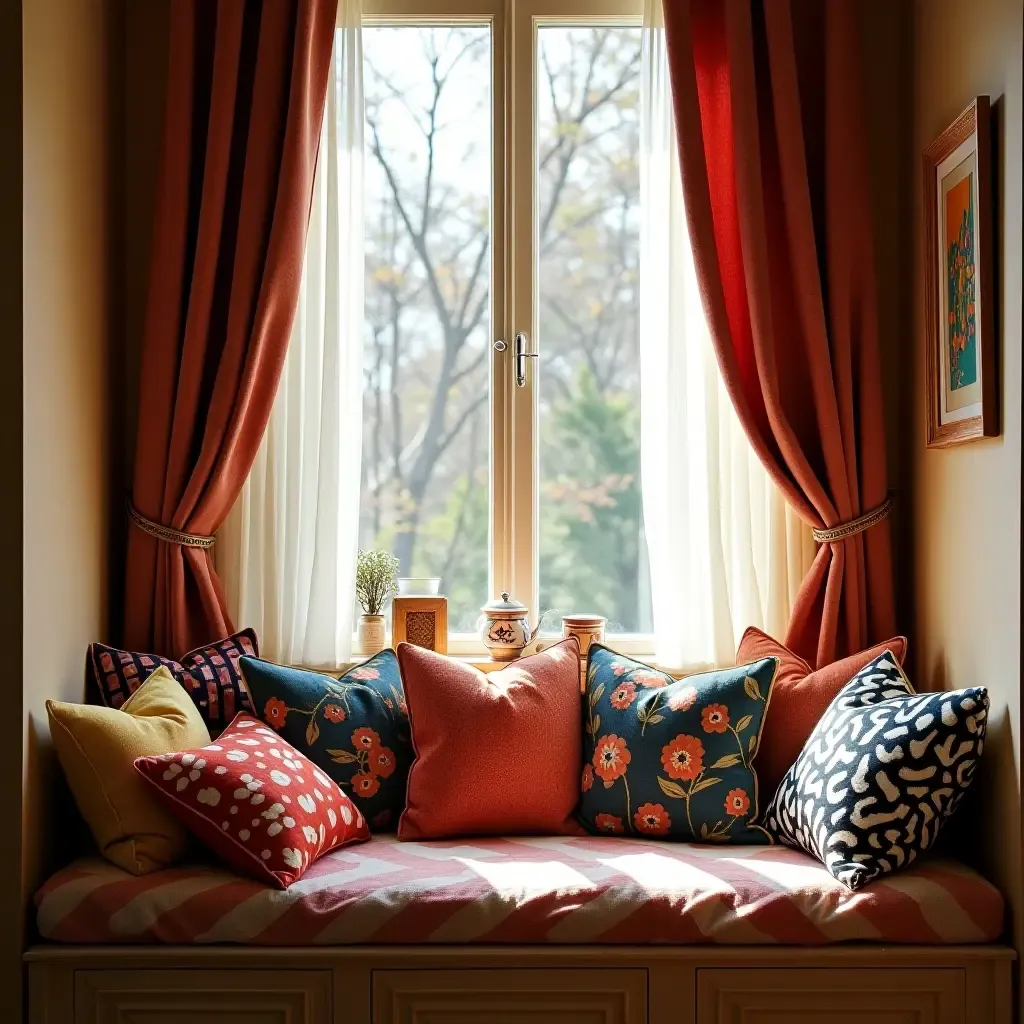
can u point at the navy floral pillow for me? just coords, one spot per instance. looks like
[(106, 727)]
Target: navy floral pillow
[(672, 758), (355, 728)]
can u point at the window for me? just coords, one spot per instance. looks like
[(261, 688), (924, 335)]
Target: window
[(426, 412), (592, 546), (511, 344), (494, 211)]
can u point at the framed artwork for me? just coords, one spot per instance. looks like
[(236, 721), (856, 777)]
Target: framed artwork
[(959, 328), (422, 621)]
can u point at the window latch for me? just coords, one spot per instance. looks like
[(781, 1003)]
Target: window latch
[(521, 355)]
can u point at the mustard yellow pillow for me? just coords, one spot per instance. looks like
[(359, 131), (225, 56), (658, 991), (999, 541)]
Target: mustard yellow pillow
[(97, 748)]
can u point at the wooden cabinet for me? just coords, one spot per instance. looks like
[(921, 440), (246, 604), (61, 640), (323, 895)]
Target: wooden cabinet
[(512, 996), (854, 984), (831, 996), (202, 997)]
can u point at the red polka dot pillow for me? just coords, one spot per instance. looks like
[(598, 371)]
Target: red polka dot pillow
[(256, 801)]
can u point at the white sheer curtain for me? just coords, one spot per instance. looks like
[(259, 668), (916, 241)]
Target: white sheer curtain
[(287, 552), (725, 550)]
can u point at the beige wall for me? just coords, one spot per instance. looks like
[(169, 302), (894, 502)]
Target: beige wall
[(967, 511), (69, 331)]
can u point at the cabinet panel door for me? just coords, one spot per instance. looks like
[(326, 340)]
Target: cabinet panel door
[(831, 996), (512, 996), (171, 996)]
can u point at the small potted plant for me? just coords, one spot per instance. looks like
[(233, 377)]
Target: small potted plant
[(376, 579)]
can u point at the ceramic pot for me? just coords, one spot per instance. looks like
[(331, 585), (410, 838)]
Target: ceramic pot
[(371, 634), (505, 628)]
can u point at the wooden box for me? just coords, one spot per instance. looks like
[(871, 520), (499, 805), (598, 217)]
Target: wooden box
[(422, 621)]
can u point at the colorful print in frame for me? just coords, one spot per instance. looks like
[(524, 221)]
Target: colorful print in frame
[(958, 272)]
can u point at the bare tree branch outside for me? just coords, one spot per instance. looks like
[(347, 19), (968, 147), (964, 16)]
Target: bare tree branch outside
[(424, 488)]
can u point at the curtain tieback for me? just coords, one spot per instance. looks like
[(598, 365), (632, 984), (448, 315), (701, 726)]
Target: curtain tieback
[(844, 531), (166, 533)]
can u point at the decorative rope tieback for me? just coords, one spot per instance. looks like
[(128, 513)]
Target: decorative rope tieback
[(166, 533), (854, 526)]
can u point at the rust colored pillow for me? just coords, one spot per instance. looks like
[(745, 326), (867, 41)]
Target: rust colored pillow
[(495, 753), (800, 697)]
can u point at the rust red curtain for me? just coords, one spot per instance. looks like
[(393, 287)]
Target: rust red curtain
[(768, 105), (245, 99)]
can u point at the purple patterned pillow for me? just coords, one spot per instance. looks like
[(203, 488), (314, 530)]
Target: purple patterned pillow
[(210, 674)]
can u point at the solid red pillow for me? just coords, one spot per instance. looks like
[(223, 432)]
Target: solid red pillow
[(255, 801), (800, 696), (496, 753)]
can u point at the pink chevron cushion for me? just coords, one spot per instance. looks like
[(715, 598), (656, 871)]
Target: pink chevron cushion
[(552, 889)]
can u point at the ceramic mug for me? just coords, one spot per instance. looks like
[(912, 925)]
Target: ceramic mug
[(588, 629)]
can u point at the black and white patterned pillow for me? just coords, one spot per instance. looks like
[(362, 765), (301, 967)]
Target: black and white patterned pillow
[(880, 773)]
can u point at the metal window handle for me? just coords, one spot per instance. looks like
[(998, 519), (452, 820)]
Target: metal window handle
[(521, 355)]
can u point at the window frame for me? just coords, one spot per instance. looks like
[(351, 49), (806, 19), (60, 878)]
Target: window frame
[(514, 464)]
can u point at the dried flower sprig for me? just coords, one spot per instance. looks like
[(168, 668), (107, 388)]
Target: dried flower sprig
[(376, 578)]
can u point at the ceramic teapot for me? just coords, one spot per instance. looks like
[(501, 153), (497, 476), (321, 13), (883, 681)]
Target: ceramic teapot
[(505, 628)]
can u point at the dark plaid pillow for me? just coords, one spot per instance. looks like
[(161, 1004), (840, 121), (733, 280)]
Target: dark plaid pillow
[(210, 674)]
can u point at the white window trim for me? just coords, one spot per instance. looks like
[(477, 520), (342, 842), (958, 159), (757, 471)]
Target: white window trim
[(514, 532)]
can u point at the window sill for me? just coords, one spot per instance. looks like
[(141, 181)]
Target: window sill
[(480, 661), (485, 664)]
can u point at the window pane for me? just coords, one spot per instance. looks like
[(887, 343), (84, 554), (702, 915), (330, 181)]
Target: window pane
[(424, 490), (593, 555)]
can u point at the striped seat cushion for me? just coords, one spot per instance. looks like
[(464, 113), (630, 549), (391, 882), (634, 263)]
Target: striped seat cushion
[(544, 890)]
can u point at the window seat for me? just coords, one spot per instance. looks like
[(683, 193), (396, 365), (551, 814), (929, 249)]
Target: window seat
[(551, 890)]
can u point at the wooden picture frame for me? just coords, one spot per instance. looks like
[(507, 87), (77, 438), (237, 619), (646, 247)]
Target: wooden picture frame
[(959, 315), (422, 621)]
